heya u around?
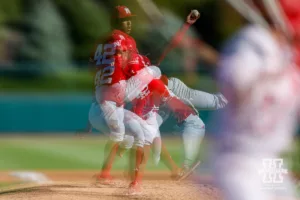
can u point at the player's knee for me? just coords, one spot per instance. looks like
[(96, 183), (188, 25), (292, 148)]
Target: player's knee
[(195, 120), (116, 136), (127, 142), (117, 130), (148, 142), (149, 137), (134, 128), (149, 131), (155, 72), (195, 125), (139, 141), (116, 126)]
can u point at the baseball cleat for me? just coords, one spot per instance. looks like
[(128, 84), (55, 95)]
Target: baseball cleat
[(186, 172), (175, 174), (103, 179), (134, 188)]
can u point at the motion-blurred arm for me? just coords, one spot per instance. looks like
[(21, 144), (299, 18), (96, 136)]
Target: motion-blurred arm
[(179, 35)]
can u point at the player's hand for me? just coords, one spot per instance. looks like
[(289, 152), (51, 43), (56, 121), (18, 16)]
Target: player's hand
[(192, 18)]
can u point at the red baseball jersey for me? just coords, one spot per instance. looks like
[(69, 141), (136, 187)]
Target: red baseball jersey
[(145, 102), (135, 64), (109, 58)]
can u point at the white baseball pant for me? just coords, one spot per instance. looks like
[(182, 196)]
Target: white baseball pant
[(199, 99), (109, 118)]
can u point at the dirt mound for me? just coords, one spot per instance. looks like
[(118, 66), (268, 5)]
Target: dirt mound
[(158, 189)]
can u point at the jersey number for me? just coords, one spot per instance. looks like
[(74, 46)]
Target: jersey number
[(103, 76), (109, 51)]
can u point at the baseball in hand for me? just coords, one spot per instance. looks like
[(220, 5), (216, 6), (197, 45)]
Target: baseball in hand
[(195, 14)]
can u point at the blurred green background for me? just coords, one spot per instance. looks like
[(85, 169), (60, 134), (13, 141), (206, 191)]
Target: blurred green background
[(77, 153), (45, 44), (45, 84), (63, 153)]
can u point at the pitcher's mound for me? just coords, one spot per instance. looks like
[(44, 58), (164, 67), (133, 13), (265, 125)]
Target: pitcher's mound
[(157, 189)]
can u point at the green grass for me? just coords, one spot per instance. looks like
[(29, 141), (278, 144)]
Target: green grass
[(293, 158), (51, 153), (70, 153), (5, 184), (64, 153)]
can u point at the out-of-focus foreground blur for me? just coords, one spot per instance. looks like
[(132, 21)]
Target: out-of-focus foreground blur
[(46, 88)]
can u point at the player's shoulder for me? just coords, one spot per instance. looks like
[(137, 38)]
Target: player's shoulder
[(118, 35), (117, 38)]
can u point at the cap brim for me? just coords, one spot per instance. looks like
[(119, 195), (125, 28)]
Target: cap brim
[(129, 16)]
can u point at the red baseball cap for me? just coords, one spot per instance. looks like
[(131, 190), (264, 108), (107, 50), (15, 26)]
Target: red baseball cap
[(123, 12)]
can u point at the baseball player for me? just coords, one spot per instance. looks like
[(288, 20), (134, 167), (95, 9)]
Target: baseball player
[(259, 77), (117, 82), (189, 138), (112, 90)]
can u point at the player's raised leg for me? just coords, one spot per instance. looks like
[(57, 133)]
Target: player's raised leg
[(199, 99)]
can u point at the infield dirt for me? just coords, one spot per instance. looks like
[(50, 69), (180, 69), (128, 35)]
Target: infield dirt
[(78, 185)]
